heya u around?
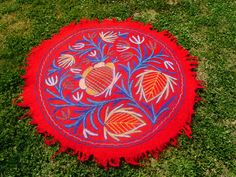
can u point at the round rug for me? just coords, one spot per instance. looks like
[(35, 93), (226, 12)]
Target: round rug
[(112, 90)]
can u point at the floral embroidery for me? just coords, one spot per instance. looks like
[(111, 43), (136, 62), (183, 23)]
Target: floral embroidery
[(122, 46), (51, 81), (154, 84), (121, 122), (112, 86), (99, 79), (108, 36), (66, 60), (78, 46), (137, 40)]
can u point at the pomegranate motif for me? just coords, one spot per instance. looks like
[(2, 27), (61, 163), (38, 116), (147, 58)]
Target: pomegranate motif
[(99, 79)]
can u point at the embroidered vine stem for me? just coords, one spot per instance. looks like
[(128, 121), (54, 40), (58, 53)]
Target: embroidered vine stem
[(141, 64), (97, 47)]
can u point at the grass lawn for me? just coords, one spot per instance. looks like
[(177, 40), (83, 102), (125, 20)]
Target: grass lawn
[(205, 27)]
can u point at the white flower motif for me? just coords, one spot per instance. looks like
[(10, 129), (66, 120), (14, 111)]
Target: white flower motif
[(78, 96), (136, 40), (108, 36), (75, 70), (87, 132), (66, 60), (51, 81), (78, 46), (93, 53), (168, 64), (122, 46)]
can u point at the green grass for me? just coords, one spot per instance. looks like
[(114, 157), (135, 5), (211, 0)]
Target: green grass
[(206, 27)]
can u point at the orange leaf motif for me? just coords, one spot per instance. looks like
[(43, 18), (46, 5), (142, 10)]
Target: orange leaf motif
[(121, 122), (151, 84)]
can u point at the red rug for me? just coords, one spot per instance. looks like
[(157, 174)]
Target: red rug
[(112, 90)]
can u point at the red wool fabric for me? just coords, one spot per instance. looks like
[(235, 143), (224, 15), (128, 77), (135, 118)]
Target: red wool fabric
[(112, 90)]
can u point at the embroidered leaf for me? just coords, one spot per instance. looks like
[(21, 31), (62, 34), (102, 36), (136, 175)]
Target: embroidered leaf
[(121, 122), (154, 84), (151, 84)]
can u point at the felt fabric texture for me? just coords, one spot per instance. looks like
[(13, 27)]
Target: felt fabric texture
[(111, 89)]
